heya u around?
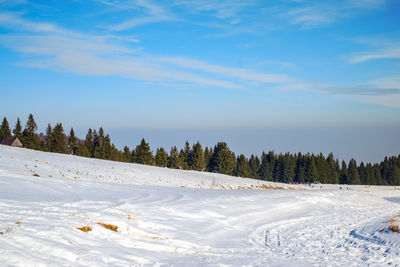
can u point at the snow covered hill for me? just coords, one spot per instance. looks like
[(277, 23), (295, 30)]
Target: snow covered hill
[(63, 210)]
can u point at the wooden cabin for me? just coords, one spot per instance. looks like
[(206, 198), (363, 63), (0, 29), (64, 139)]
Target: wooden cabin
[(11, 141)]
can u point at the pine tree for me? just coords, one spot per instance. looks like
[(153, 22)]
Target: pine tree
[(182, 160), (89, 142), (72, 146), (5, 131), (109, 149), (18, 129), (223, 160), (143, 154), (242, 167), (208, 152), (82, 150), (48, 139), (58, 140), (254, 166), (353, 175), (311, 172), (29, 137), (127, 154), (173, 157), (266, 169), (187, 157), (197, 157), (344, 174), (99, 146), (161, 157)]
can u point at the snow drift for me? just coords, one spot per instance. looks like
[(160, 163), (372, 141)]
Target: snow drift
[(140, 215)]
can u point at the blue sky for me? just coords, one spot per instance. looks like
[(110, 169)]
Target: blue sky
[(310, 76)]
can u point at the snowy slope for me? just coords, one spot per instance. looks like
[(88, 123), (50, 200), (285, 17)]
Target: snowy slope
[(161, 223)]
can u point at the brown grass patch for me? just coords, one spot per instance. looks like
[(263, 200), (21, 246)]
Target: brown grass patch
[(37, 175), (264, 186), (109, 226), (131, 218), (1, 233), (394, 225), (85, 228), (19, 223)]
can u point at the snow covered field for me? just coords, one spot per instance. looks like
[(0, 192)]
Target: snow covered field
[(182, 218)]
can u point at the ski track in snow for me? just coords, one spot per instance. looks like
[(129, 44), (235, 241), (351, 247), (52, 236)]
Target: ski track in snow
[(160, 223)]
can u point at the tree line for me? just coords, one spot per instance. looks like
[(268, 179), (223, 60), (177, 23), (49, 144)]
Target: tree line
[(287, 168)]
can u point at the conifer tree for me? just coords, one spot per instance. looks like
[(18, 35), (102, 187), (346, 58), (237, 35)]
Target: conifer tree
[(29, 137), (5, 131), (353, 175), (182, 160), (187, 156), (127, 154), (197, 157), (58, 140), (173, 157), (161, 157), (207, 156), (143, 154), (254, 166), (344, 174), (266, 169), (242, 167), (48, 138), (18, 129), (82, 150), (89, 141), (378, 174), (311, 172), (223, 160), (72, 146), (109, 149)]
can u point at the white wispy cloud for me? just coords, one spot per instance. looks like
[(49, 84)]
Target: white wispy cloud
[(224, 9), (390, 100), (311, 14), (388, 51), (153, 13), (14, 21), (237, 73), (55, 48)]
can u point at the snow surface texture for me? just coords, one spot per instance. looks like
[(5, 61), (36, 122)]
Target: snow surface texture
[(172, 217)]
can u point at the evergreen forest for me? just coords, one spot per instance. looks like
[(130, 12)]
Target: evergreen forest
[(270, 166)]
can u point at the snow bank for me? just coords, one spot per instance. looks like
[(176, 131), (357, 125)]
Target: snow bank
[(161, 223)]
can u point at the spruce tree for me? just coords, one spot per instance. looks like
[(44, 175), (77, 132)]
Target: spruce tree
[(353, 175), (5, 131), (182, 160), (82, 150), (242, 167), (59, 142), (344, 174), (48, 138), (173, 157), (187, 156), (89, 141), (29, 137), (197, 157), (18, 129), (266, 169), (223, 159), (143, 154), (254, 166), (161, 157), (72, 146), (207, 156), (127, 154)]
